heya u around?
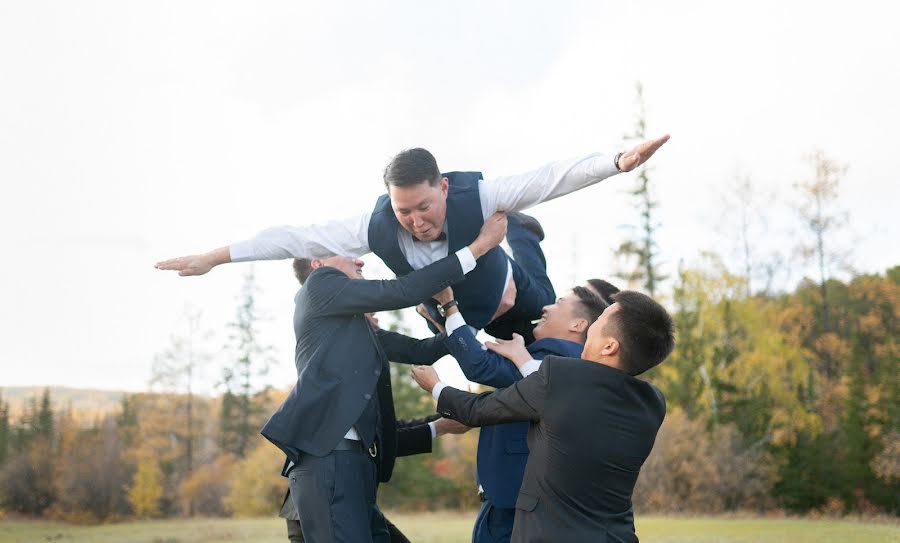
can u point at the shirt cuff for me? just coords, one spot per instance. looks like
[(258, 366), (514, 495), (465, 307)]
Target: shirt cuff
[(436, 391), (453, 322), (604, 166), (466, 259), (433, 428), (530, 367)]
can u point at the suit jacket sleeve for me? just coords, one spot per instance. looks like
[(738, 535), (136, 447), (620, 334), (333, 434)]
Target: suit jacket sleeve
[(477, 363), (407, 350), (415, 439), (523, 401), (337, 294)]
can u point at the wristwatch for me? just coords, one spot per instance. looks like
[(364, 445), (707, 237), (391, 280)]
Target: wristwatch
[(442, 308)]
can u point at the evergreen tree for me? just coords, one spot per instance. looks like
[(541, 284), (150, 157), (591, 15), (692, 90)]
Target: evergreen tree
[(43, 420), (641, 251), (4, 430), (680, 376), (127, 420), (243, 399)]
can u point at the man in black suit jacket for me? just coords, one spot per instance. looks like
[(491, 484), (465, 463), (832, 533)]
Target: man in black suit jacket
[(593, 423), (339, 416)]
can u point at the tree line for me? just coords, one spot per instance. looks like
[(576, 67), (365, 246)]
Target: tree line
[(768, 409), (777, 400)]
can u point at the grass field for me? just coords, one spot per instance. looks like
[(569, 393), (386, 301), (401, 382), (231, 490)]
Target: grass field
[(452, 527)]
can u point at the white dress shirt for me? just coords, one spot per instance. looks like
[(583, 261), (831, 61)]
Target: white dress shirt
[(350, 237)]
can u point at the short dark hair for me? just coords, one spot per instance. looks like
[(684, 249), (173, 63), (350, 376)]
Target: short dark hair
[(589, 306), (644, 330), (411, 167), (302, 269), (605, 288)]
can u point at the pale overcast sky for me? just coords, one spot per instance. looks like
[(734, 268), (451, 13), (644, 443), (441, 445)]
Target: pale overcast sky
[(132, 132)]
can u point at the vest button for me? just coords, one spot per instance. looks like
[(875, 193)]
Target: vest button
[(377, 372), (367, 396)]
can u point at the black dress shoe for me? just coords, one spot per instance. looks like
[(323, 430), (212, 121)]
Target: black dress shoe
[(528, 223)]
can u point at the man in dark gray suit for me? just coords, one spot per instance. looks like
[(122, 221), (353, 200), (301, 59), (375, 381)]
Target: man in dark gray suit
[(414, 436), (593, 423), (337, 425)]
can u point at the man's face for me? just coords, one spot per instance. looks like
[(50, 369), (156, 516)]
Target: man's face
[(352, 267), (421, 209), (600, 330), (557, 319)]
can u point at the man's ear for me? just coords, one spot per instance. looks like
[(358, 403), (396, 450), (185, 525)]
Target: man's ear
[(316, 263), (579, 326), (445, 186), (610, 347)]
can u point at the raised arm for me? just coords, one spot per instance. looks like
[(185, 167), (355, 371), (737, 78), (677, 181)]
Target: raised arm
[(478, 364), (518, 192), (351, 296), (348, 237)]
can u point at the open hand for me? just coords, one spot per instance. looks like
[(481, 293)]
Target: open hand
[(196, 264), (513, 349), (186, 265), (640, 153)]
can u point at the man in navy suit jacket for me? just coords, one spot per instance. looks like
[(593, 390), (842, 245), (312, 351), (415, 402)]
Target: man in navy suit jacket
[(502, 448)]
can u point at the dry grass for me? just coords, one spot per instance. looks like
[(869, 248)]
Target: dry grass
[(447, 527)]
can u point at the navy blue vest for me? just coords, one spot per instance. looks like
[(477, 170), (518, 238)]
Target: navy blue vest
[(480, 292)]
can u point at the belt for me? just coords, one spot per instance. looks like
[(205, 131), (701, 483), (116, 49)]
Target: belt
[(349, 445), (356, 445)]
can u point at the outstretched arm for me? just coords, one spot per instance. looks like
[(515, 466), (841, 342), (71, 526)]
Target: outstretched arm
[(408, 350), (416, 437), (348, 237), (341, 295), (523, 401), (478, 364), (518, 192)]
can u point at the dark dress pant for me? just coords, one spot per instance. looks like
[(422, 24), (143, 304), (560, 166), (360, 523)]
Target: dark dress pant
[(335, 498), (494, 524)]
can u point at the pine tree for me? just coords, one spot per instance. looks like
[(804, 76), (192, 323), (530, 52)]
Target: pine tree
[(127, 420), (641, 251), (4, 430), (241, 407), (43, 421)]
